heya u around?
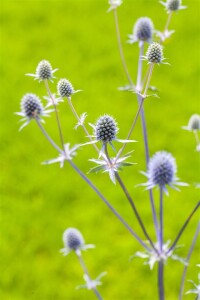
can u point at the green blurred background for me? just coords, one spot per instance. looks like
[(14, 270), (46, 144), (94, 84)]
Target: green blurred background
[(39, 202)]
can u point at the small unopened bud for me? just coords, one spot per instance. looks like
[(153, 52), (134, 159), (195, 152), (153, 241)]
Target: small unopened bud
[(44, 70), (155, 53), (143, 29), (31, 106), (106, 129), (73, 239), (65, 88)]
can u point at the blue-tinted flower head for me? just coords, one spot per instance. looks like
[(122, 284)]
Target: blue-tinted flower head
[(142, 31), (106, 129), (73, 241), (44, 71), (65, 88), (155, 53), (31, 108), (194, 123), (162, 171), (173, 5)]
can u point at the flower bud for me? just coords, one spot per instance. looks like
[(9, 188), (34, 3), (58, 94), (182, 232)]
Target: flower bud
[(155, 53), (173, 5), (73, 239), (194, 122), (31, 106), (106, 129), (65, 88)]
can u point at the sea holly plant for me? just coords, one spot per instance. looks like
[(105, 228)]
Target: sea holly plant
[(161, 168)]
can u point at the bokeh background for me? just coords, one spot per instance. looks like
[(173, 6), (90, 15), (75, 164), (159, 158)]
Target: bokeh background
[(39, 202)]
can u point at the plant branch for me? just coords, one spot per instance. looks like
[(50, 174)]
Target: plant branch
[(161, 279)]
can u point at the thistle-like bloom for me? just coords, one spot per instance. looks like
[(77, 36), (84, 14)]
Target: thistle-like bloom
[(154, 53), (73, 241), (173, 5), (65, 88), (142, 31), (153, 256), (162, 171), (193, 124), (44, 71), (31, 108), (114, 4), (106, 129)]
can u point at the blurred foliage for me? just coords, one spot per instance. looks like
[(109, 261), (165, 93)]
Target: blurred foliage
[(39, 202)]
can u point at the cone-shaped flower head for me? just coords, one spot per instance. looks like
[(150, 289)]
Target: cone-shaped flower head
[(143, 29), (106, 129), (194, 123), (31, 106), (44, 70), (173, 5), (65, 88), (155, 53), (73, 239), (162, 171)]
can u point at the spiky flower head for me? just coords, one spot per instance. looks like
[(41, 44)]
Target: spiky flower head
[(143, 29), (31, 106), (65, 88), (155, 53), (194, 123), (106, 129), (173, 5), (162, 171), (44, 71), (73, 239)]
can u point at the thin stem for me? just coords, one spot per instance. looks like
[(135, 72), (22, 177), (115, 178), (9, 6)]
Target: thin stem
[(168, 21), (148, 79), (130, 200), (108, 204), (83, 126), (121, 49), (161, 280), (131, 129), (48, 137), (187, 260), (85, 270), (196, 137), (161, 219), (183, 228), (140, 63), (56, 113)]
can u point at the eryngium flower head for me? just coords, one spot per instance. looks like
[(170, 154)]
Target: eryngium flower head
[(173, 5), (65, 88), (143, 30), (194, 123), (73, 239), (162, 171), (43, 71), (114, 4), (155, 53), (31, 106), (106, 129)]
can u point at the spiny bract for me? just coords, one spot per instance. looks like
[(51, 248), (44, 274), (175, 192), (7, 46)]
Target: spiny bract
[(73, 239), (155, 53), (65, 88), (106, 129)]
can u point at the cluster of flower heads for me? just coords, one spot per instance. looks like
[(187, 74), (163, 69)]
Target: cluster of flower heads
[(162, 171), (31, 105)]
